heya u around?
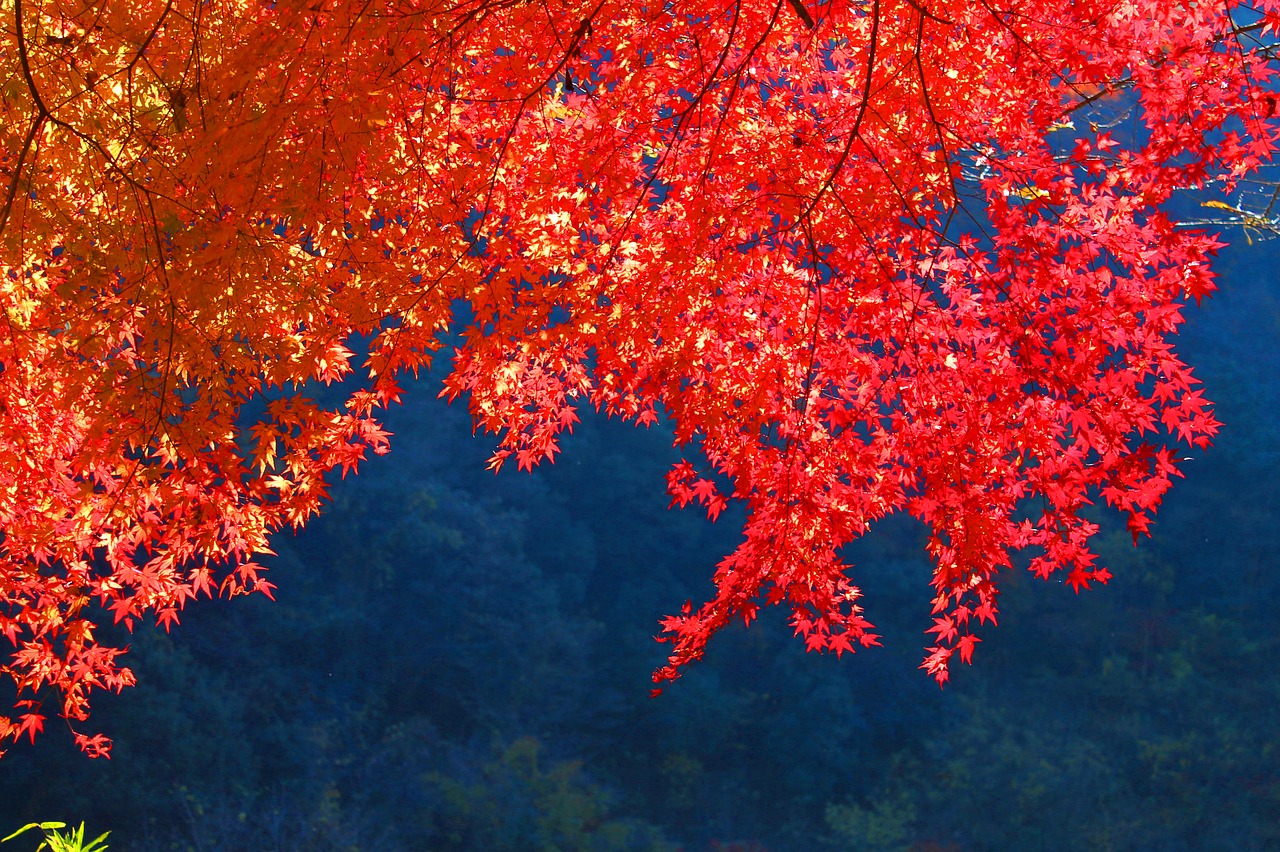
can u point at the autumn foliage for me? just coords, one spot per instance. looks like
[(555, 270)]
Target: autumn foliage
[(867, 256)]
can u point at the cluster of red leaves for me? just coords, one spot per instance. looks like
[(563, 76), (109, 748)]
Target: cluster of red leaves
[(875, 257)]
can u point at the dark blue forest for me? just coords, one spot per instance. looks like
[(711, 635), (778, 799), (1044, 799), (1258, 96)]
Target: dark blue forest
[(460, 660)]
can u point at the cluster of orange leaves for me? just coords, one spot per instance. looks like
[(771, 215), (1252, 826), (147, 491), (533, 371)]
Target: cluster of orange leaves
[(867, 256)]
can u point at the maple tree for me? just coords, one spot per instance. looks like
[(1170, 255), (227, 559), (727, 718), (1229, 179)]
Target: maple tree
[(867, 257)]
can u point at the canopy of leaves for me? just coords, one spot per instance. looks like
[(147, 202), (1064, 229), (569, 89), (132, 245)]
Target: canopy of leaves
[(868, 256)]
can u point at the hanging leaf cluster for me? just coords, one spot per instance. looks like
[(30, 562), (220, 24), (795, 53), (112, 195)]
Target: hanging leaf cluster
[(866, 256)]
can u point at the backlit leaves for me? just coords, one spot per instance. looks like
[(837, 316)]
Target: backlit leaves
[(868, 257)]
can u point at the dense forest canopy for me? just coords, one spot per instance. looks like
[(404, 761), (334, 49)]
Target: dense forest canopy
[(866, 258)]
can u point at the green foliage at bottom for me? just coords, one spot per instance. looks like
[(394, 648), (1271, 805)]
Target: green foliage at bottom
[(56, 841)]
